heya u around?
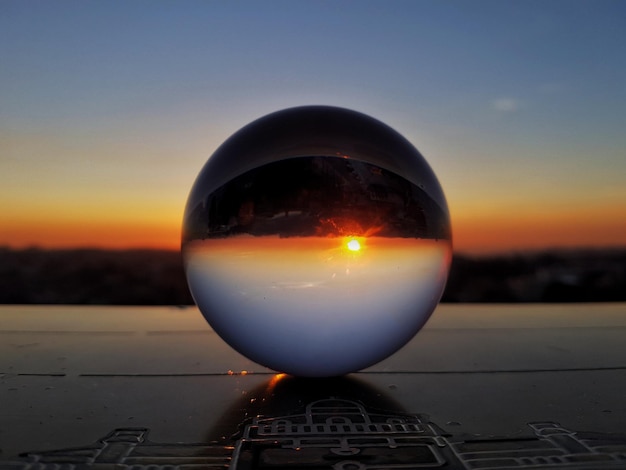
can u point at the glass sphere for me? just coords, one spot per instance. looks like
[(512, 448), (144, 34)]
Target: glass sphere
[(316, 241)]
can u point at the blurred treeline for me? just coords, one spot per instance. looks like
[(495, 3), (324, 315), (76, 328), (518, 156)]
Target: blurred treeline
[(90, 276), (156, 277), (554, 276)]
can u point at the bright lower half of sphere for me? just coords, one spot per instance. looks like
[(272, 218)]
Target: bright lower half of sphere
[(317, 265)]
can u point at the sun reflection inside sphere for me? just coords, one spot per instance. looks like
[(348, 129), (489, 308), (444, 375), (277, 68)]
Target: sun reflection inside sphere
[(353, 245)]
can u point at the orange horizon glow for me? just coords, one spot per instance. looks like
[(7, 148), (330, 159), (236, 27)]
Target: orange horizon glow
[(104, 235), (495, 233), (472, 233), (300, 244)]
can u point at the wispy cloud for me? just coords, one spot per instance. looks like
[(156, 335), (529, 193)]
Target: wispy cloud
[(506, 105)]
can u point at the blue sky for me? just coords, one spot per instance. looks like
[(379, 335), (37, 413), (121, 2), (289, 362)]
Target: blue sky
[(519, 106)]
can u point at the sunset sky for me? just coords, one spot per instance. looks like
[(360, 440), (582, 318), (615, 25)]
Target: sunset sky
[(109, 109)]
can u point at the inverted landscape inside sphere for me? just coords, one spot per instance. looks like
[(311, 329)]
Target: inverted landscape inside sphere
[(318, 196)]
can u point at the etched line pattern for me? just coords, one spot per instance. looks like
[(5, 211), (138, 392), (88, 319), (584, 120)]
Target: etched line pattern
[(341, 435)]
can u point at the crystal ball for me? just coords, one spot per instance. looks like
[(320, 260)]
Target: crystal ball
[(316, 241)]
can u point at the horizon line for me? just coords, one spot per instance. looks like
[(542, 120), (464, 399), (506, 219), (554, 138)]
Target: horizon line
[(456, 252)]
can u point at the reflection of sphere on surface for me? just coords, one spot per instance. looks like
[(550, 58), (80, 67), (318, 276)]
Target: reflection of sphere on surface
[(316, 241)]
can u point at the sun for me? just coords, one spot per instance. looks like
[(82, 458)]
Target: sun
[(353, 245)]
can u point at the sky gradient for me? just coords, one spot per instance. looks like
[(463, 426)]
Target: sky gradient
[(108, 110)]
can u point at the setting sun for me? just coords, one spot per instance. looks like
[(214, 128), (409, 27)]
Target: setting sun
[(354, 245)]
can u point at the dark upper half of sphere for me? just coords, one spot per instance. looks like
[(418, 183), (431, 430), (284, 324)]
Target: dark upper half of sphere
[(308, 131)]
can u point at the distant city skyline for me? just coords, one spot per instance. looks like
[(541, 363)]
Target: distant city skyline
[(108, 110)]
